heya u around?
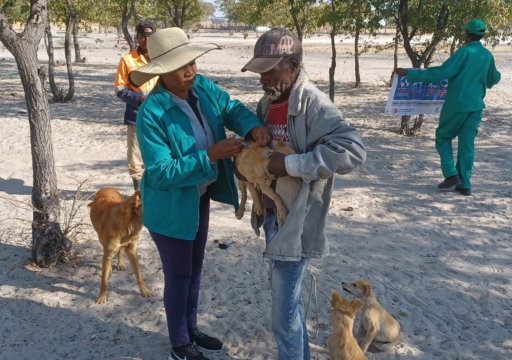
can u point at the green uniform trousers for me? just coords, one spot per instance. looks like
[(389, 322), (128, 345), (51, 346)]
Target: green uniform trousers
[(463, 125)]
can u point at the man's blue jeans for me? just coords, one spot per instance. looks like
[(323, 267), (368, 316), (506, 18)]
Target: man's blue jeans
[(287, 314)]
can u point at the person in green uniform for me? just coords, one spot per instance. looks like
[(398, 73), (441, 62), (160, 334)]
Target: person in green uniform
[(470, 71)]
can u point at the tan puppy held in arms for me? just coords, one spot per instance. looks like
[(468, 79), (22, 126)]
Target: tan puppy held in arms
[(376, 326), (118, 223), (342, 344), (252, 163)]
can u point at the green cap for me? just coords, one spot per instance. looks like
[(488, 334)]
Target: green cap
[(475, 26)]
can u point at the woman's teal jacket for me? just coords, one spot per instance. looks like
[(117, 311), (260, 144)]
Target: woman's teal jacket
[(174, 168)]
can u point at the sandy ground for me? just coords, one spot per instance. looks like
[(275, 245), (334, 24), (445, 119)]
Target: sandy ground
[(439, 262)]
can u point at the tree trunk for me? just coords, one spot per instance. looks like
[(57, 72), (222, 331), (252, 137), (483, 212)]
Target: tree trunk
[(78, 56), (453, 46), (49, 245), (58, 94), (175, 13), (294, 11), (405, 128), (126, 16), (70, 21), (184, 10), (395, 57), (51, 61), (332, 69), (418, 121), (356, 57)]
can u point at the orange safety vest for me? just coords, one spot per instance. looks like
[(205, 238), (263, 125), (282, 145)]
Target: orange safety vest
[(128, 63)]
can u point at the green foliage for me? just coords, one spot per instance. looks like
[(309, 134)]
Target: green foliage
[(434, 23), (227, 7), (208, 9), (352, 16), (16, 11), (299, 15), (181, 13)]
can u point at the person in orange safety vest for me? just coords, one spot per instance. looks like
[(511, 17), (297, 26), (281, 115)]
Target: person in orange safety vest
[(134, 96)]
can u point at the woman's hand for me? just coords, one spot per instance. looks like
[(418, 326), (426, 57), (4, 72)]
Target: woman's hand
[(261, 135), (225, 149)]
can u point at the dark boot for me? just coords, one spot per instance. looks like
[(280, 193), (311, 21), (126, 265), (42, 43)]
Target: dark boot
[(463, 191), (450, 182)]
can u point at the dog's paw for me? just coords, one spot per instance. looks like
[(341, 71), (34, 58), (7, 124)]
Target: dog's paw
[(282, 214), (240, 213), (121, 267), (102, 299), (258, 210), (146, 293)]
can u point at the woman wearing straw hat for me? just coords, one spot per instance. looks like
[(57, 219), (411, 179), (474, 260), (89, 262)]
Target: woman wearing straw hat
[(180, 128)]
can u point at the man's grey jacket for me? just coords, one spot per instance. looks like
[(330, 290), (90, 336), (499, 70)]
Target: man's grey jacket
[(325, 144)]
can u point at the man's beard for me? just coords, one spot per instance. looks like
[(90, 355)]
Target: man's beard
[(272, 92), (275, 92)]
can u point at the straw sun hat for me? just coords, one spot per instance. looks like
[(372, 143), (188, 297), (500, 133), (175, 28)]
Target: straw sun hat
[(169, 50)]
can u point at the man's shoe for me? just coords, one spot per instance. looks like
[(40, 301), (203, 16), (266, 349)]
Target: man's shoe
[(186, 352), (449, 182), (203, 341), (463, 191)]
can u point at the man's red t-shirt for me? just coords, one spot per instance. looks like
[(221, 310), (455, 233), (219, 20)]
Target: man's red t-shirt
[(277, 120), (277, 125)]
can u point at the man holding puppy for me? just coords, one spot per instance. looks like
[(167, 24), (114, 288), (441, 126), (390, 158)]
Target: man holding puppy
[(304, 117)]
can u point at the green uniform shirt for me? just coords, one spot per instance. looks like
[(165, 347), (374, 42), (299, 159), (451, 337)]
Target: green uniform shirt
[(469, 72)]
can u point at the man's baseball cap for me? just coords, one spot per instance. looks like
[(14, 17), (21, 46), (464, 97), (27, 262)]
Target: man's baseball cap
[(475, 26), (143, 25), (272, 47)]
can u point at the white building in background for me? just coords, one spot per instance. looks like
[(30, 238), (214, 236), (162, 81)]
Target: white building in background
[(219, 20)]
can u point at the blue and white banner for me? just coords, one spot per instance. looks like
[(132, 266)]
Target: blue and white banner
[(407, 98)]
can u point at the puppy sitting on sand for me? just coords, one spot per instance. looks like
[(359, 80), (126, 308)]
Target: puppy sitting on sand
[(342, 344), (376, 326), (252, 163), (118, 223)]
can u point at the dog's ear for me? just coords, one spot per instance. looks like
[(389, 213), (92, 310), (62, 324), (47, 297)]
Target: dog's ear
[(336, 297), (356, 305), (365, 286), (364, 289)]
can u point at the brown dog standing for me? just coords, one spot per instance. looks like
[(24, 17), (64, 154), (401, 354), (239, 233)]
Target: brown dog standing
[(118, 223)]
